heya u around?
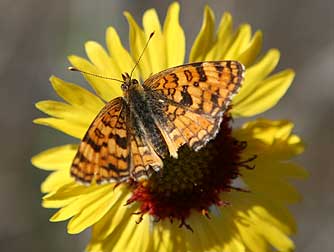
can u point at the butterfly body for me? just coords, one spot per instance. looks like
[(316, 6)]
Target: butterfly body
[(141, 107), (132, 134)]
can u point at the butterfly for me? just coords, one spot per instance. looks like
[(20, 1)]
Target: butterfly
[(132, 134)]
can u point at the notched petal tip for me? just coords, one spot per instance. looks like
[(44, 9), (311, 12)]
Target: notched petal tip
[(174, 37), (205, 37), (249, 55)]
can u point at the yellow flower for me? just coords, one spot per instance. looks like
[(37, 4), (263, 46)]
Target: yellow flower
[(247, 211)]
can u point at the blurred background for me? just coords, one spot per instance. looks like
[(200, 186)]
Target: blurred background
[(37, 35)]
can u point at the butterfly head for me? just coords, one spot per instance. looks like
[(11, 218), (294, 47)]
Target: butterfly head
[(128, 82)]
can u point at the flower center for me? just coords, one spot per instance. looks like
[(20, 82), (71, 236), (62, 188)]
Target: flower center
[(194, 181)]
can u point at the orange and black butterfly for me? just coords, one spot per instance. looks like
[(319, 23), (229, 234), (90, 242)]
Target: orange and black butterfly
[(133, 133)]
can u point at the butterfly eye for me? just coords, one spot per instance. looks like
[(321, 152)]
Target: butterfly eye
[(124, 87), (134, 81)]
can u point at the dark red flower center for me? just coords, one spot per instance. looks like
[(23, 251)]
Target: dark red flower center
[(194, 181)]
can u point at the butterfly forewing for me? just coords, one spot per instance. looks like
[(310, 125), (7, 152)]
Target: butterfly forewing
[(203, 87), (193, 99)]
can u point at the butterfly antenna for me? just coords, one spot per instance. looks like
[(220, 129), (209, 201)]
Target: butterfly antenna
[(92, 74), (142, 53)]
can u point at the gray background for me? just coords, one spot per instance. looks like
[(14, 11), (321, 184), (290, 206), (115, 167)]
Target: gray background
[(36, 36)]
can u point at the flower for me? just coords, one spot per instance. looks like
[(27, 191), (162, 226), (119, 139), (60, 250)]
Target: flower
[(231, 196)]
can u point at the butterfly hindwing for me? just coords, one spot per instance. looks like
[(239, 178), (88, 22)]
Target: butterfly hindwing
[(143, 156)]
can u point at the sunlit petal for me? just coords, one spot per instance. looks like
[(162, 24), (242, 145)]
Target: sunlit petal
[(174, 37), (267, 95), (137, 40), (120, 55), (205, 37), (76, 95), (49, 159), (76, 130), (106, 89)]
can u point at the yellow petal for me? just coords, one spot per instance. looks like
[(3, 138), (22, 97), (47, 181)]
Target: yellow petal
[(207, 236), (73, 189), (125, 232), (270, 140), (268, 93), (274, 169), (232, 241), (132, 235), (65, 111), (123, 239), (66, 194), (239, 42), (79, 204), (139, 234), (162, 235), (106, 66), (126, 239), (248, 56), (263, 67), (119, 53), (156, 49), (99, 57), (51, 200), (252, 239), (91, 210), (174, 37), (274, 188), (106, 89), (284, 150), (274, 236), (56, 204), (255, 74), (137, 40), (224, 38), (56, 180), (278, 214), (76, 95), (266, 130), (57, 158), (117, 215), (71, 128), (234, 245), (258, 213), (205, 37)]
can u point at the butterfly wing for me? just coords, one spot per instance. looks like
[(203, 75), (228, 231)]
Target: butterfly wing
[(103, 153), (111, 151), (189, 100), (143, 157)]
